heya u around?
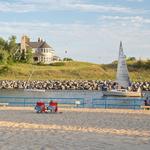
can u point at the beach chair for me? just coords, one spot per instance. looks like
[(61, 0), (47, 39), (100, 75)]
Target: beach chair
[(53, 106), (40, 107)]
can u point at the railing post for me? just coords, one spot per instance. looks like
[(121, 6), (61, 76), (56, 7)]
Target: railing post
[(24, 101), (134, 103), (92, 102), (83, 102), (105, 103)]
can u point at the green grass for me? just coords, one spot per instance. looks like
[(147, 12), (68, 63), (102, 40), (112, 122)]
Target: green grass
[(67, 71)]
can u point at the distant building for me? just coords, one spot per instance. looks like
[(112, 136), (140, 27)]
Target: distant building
[(42, 52)]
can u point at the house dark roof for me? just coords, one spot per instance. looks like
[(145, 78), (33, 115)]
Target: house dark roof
[(38, 44), (45, 45)]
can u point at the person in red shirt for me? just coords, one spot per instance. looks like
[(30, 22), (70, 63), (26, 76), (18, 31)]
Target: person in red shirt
[(40, 107), (53, 107)]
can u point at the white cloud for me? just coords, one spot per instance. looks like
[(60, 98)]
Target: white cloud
[(100, 8), (85, 42), (133, 21), (135, 0), (47, 5), (16, 7)]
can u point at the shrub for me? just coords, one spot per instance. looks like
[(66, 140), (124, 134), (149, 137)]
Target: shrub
[(131, 59), (57, 64), (41, 64), (3, 57), (67, 59), (4, 69)]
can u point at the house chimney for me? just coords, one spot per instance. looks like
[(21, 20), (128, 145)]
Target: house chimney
[(39, 39), (24, 41)]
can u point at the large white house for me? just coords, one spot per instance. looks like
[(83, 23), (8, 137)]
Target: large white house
[(42, 52)]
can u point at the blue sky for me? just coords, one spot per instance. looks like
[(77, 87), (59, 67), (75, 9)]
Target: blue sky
[(90, 30)]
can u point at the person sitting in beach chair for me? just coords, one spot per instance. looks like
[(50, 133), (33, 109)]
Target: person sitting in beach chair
[(40, 107), (53, 106), (146, 102)]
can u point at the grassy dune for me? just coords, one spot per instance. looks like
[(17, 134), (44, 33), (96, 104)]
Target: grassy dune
[(67, 71)]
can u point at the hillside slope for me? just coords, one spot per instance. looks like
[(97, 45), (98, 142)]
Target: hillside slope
[(67, 71)]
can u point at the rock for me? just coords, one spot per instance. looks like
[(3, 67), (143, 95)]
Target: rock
[(69, 84)]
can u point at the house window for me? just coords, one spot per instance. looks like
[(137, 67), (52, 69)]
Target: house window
[(35, 58), (41, 58)]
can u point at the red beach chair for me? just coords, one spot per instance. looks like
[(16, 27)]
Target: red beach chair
[(40, 107), (53, 106)]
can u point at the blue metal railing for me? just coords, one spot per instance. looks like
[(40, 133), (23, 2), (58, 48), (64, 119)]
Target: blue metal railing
[(128, 103), (103, 102), (31, 101)]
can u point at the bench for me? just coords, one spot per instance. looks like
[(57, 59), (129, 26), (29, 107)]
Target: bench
[(4, 104), (145, 107)]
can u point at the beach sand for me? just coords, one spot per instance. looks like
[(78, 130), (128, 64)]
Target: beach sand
[(74, 129)]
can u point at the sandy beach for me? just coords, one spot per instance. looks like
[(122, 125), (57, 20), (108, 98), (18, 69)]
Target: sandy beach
[(73, 129)]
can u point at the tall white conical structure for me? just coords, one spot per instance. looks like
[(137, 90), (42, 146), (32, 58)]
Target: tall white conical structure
[(122, 70)]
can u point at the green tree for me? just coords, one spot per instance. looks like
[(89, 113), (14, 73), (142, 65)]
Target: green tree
[(3, 51), (12, 47), (131, 59), (67, 59), (29, 56), (26, 56), (8, 49), (23, 57), (147, 64), (2, 44), (3, 57)]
